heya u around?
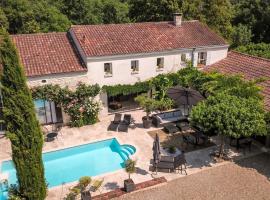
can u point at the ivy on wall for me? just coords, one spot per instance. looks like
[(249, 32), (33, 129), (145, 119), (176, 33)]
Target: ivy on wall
[(79, 104)]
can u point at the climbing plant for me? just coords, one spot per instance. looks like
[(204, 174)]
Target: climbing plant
[(78, 104), (127, 89)]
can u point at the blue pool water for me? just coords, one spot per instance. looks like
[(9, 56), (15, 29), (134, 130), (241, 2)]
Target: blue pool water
[(70, 164)]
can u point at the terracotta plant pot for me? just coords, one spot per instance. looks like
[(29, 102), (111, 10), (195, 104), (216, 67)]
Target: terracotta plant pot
[(86, 195)]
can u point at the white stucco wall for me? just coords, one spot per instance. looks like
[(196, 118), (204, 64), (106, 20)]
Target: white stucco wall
[(214, 56), (122, 73), (121, 67)]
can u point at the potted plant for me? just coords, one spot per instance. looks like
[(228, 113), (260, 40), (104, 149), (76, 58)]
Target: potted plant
[(83, 183), (130, 167), (149, 105), (172, 149)]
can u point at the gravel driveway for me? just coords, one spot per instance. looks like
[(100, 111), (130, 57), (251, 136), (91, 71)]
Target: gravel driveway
[(227, 182)]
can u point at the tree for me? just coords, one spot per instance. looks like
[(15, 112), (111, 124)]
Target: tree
[(218, 15), (95, 11), (130, 167), (256, 15), (22, 127), (260, 49), (241, 35), (147, 103), (152, 10), (30, 16), (231, 116), (115, 12), (193, 9), (3, 20), (232, 85)]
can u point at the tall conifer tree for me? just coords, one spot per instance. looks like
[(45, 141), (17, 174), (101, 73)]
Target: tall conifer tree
[(22, 127)]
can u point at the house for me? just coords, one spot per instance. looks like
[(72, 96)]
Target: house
[(250, 67), (114, 54)]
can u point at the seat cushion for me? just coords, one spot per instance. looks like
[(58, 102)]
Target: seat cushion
[(161, 115), (169, 114), (177, 113)]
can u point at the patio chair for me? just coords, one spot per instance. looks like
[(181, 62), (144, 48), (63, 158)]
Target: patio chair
[(180, 163), (115, 123), (96, 185), (165, 165)]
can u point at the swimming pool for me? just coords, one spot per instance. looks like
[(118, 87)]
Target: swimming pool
[(68, 165)]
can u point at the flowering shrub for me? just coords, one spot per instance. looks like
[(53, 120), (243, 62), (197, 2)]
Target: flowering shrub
[(78, 104)]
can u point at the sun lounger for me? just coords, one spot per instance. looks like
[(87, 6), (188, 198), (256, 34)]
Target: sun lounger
[(123, 127), (115, 123), (127, 119), (117, 118), (113, 127)]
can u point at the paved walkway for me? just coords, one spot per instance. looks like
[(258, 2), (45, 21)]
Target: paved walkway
[(226, 182), (197, 160)]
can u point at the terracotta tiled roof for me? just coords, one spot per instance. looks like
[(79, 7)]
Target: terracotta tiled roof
[(118, 39), (251, 67), (48, 53)]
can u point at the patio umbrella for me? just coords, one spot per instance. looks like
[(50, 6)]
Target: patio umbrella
[(156, 151), (184, 96)]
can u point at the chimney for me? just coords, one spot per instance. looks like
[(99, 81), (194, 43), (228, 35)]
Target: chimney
[(177, 19)]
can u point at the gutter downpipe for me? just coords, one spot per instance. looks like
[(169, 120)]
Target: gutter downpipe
[(193, 56)]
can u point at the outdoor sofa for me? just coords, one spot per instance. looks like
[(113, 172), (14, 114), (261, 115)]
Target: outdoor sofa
[(162, 118)]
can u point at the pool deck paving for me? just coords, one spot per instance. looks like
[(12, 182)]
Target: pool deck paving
[(197, 161)]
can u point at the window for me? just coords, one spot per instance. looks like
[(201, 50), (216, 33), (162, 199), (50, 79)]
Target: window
[(108, 69), (47, 112), (160, 63), (134, 66), (202, 58), (183, 58)]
